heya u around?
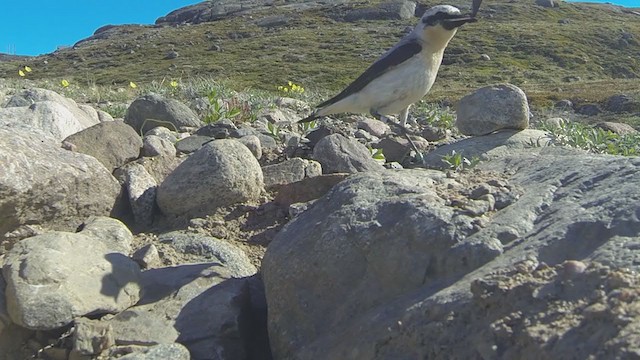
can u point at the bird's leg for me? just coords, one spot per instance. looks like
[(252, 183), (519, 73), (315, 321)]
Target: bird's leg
[(403, 118)]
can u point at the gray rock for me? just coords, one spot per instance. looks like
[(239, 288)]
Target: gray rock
[(90, 112), (104, 116), (337, 154), (42, 184), (207, 248), (164, 133), (267, 142), (171, 55), (308, 189), (273, 21), (153, 145), (5, 320), (42, 101), (555, 122), (51, 118), (111, 232), (290, 171), (486, 147), (375, 236), (398, 148), (147, 257), (139, 327), (491, 108), (252, 142), (91, 337), (142, 189), (573, 206), (160, 352), (564, 105), (221, 129), (617, 128), (433, 133), (192, 143), (374, 127), (46, 290), (225, 166), (622, 103), (113, 143), (589, 109), (392, 10), (210, 310), (154, 110), (547, 3)]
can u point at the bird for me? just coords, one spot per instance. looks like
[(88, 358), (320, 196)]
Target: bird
[(405, 73)]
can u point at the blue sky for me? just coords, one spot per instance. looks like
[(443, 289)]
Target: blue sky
[(39, 26), (628, 3)]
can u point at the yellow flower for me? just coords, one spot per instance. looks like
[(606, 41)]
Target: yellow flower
[(133, 85), (64, 83), (27, 69), (290, 84), (20, 72), (174, 84)]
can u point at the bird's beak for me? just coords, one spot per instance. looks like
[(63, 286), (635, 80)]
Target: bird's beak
[(456, 22)]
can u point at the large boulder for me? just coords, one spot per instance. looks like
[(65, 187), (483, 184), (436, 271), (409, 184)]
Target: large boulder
[(491, 108), (221, 173), (404, 265), (150, 111), (55, 277), (113, 143), (40, 183), (49, 111), (374, 237)]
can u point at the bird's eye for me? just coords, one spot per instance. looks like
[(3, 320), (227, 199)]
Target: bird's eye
[(433, 19)]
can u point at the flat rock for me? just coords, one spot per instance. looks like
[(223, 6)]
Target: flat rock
[(160, 352), (289, 171), (46, 291), (111, 232), (500, 144), (307, 189)]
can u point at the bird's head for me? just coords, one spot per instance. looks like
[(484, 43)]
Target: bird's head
[(440, 23)]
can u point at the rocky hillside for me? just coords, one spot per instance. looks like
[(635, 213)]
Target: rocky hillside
[(570, 50), (180, 219)]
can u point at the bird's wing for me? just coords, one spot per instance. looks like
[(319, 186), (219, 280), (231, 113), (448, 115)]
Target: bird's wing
[(393, 58)]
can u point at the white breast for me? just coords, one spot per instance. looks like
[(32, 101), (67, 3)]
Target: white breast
[(394, 91)]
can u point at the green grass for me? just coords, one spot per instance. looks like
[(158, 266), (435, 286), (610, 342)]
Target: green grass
[(594, 140)]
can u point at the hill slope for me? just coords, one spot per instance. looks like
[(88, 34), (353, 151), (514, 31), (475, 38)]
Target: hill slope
[(575, 50)]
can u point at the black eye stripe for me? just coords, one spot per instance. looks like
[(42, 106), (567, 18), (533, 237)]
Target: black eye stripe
[(430, 20)]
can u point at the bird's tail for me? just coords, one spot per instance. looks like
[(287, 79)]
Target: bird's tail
[(310, 118)]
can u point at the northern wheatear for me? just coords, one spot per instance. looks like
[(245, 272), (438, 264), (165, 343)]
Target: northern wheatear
[(405, 73)]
